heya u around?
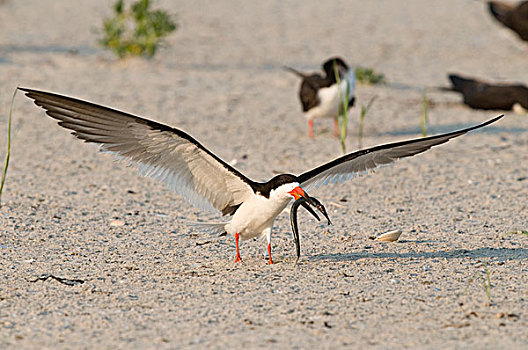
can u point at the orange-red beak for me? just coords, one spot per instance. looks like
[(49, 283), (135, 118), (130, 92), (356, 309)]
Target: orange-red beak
[(297, 193)]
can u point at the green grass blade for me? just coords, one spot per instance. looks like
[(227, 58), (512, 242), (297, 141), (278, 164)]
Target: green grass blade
[(343, 109), (364, 111), (425, 112), (487, 285), (345, 117), (8, 154)]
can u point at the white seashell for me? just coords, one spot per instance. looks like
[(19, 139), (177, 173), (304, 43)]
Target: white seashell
[(117, 223), (391, 236)]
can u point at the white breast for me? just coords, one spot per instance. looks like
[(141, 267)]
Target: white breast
[(329, 98), (256, 215)]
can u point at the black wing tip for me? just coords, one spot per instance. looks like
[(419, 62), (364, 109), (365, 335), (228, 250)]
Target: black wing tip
[(491, 121), (27, 90), (32, 93), (38, 92), (466, 130)]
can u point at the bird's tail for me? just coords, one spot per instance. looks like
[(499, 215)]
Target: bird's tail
[(212, 228), (442, 88), (500, 11), (459, 83), (295, 71)]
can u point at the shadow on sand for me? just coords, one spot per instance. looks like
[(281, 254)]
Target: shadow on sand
[(479, 253), (74, 50), (440, 129)]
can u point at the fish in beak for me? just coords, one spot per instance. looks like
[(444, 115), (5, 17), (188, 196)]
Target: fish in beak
[(315, 202), (302, 198)]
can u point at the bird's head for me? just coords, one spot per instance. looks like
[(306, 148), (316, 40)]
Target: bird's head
[(288, 190), (300, 195), (335, 63), (286, 186)]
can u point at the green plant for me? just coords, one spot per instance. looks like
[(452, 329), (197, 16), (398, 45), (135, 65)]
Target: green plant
[(485, 280), (342, 117), (364, 110), (137, 31), (8, 154), (486, 283), (519, 232), (366, 75), (425, 114)]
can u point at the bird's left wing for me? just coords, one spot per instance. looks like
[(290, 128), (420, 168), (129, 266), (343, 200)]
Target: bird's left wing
[(356, 163), (161, 152)]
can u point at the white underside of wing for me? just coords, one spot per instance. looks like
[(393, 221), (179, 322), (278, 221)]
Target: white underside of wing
[(186, 169), (372, 159), (338, 178), (178, 184), (170, 179), (163, 153)]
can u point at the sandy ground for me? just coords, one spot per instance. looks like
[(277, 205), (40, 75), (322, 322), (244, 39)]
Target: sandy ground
[(155, 283)]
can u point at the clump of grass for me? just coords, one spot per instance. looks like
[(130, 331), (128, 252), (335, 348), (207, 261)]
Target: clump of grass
[(425, 114), (364, 110), (8, 154), (343, 109), (366, 75), (137, 31)]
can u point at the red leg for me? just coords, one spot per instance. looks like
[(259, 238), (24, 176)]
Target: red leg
[(269, 253), (310, 129), (336, 128), (238, 258)]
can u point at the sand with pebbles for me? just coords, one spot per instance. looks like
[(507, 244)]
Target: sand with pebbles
[(155, 283)]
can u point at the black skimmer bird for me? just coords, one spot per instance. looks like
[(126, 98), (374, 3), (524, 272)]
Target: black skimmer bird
[(512, 16), (482, 95), (320, 95), (175, 158)]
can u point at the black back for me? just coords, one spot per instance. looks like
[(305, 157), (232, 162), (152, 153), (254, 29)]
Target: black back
[(481, 95), (312, 83), (511, 16)]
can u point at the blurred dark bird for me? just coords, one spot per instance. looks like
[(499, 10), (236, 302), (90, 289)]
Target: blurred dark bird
[(320, 95), (513, 16), (482, 95)]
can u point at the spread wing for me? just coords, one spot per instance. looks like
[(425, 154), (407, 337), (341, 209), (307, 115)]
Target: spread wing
[(161, 152), (356, 163)]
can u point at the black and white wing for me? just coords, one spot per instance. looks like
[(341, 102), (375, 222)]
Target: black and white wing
[(161, 152), (308, 93), (356, 163)]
